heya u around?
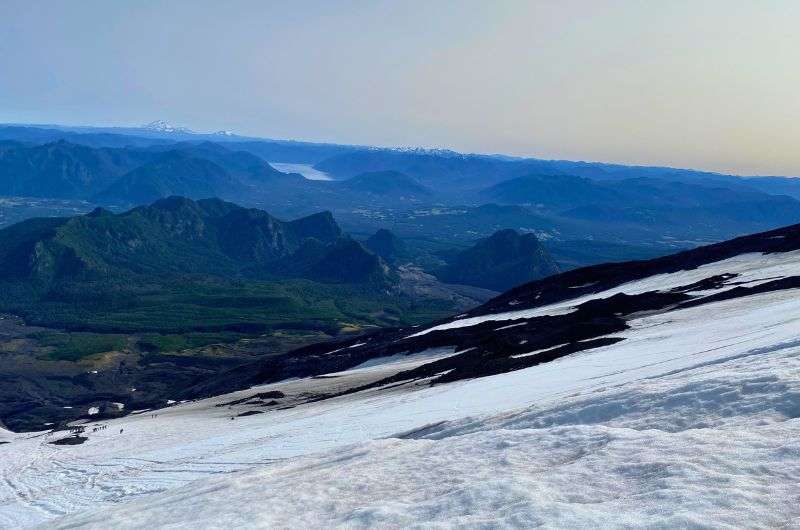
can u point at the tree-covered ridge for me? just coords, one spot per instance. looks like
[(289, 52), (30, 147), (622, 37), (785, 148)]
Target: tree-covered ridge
[(179, 236), (499, 262)]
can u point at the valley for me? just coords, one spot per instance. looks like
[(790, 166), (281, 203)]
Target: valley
[(701, 399), (399, 265), (138, 307), (175, 307), (121, 268)]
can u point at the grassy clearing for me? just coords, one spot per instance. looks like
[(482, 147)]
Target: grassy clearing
[(154, 342), (76, 346)]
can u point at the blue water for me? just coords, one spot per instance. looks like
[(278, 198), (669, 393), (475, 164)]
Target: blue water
[(304, 169)]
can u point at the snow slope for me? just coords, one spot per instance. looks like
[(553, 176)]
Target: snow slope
[(716, 446), (680, 396), (691, 421), (751, 269)]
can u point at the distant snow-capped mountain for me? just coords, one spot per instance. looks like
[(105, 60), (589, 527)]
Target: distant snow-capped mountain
[(164, 126), (440, 152)]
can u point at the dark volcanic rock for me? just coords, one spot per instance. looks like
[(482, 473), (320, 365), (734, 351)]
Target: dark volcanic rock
[(71, 440), (598, 278)]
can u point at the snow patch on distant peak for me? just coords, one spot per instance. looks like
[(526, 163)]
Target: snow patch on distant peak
[(165, 126), (432, 151), (441, 152)]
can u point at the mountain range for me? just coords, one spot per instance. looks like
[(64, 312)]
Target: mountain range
[(603, 308), (175, 266), (412, 192), (179, 236), (584, 334), (63, 170)]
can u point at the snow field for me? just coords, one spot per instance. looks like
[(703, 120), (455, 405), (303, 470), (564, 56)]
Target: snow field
[(716, 446), (690, 421)]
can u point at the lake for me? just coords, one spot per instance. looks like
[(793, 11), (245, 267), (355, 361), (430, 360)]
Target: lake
[(304, 169)]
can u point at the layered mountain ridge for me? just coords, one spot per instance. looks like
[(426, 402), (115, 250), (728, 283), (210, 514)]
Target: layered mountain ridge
[(181, 236)]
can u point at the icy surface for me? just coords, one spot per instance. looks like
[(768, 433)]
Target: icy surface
[(715, 446), (406, 361), (692, 421)]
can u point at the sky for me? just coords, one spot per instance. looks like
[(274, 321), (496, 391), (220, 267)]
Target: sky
[(703, 84)]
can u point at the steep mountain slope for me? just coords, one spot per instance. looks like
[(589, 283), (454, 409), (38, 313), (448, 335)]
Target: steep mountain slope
[(63, 170), (387, 245), (164, 295), (173, 173), (240, 165), (570, 312), (172, 236), (681, 408), (348, 261), (499, 262)]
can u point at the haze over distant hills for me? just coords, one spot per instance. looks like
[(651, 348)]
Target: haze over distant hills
[(404, 190)]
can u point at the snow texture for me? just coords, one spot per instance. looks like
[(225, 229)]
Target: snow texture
[(692, 421), (751, 269)]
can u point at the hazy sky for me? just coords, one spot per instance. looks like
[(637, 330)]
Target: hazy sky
[(704, 84)]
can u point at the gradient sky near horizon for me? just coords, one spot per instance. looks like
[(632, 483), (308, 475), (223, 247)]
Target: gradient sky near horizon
[(708, 84)]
